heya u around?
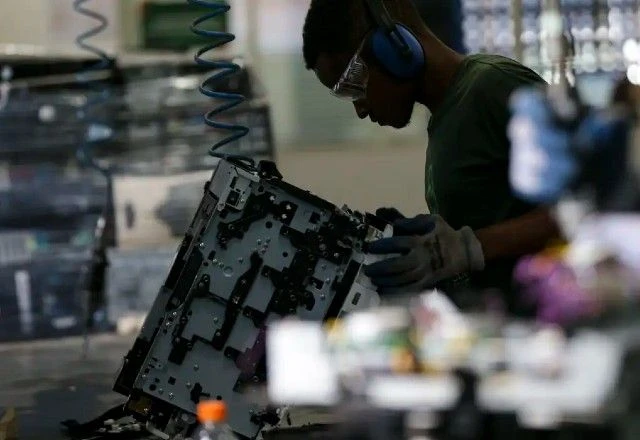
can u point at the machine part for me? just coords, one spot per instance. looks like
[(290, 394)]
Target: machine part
[(223, 70), (257, 250)]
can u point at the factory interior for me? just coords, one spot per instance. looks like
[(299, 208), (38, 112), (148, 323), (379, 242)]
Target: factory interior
[(326, 219)]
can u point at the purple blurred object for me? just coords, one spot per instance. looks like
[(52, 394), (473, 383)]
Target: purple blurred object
[(553, 288)]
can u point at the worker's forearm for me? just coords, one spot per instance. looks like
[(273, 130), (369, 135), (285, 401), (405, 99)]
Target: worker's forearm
[(519, 236)]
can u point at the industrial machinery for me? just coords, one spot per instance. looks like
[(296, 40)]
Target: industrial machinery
[(258, 249)]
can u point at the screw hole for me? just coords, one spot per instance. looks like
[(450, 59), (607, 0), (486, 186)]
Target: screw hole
[(285, 254), (218, 397), (152, 387), (269, 225)]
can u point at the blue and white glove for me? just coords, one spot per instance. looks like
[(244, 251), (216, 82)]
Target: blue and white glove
[(542, 162), (429, 251)]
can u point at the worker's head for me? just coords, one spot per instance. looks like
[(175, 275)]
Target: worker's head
[(357, 63)]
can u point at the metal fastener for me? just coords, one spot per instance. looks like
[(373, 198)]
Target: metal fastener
[(240, 260), (160, 391), (201, 245), (221, 264), (215, 319), (214, 261), (322, 297), (259, 241), (195, 367), (188, 384), (171, 396)]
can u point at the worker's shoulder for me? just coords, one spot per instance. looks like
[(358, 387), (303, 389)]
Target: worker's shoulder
[(487, 70)]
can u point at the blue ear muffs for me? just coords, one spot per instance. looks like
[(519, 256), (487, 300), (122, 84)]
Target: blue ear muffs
[(389, 56)]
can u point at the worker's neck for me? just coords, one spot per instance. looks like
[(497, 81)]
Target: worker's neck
[(441, 67)]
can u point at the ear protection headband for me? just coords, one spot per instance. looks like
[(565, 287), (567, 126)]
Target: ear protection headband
[(393, 45)]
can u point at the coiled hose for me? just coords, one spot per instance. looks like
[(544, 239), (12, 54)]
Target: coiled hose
[(222, 70), (96, 130)]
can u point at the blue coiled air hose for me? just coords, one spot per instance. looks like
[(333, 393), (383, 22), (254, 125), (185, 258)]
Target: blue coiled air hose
[(222, 70), (96, 130)]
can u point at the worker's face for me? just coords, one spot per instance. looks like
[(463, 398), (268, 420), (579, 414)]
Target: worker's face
[(384, 100)]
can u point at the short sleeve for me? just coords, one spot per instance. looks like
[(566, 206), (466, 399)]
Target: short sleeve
[(496, 85)]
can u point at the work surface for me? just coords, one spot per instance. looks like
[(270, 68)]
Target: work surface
[(48, 381)]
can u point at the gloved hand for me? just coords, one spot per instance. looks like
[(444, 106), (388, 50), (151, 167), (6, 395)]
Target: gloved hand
[(429, 251), (542, 163), (390, 215)]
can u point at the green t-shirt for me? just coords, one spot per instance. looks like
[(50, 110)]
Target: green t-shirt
[(467, 167)]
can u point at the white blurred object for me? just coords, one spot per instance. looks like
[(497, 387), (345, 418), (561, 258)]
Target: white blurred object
[(410, 392), (439, 303), (545, 351), (600, 236), (445, 336), (592, 363), (631, 50), (570, 213), (633, 74), (130, 324), (299, 365)]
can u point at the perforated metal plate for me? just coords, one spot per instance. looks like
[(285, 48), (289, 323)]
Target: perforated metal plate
[(257, 250)]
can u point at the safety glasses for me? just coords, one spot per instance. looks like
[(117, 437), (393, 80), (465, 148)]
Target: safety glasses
[(352, 85)]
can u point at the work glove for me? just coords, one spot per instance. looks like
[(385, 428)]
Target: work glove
[(389, 215), (427, 250), (542, 162)]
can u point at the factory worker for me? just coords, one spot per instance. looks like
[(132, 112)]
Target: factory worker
[(380, 55)]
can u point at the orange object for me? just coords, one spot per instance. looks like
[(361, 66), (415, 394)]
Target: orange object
[(212, 411)]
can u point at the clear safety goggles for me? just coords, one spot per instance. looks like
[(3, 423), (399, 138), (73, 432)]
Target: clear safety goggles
[(352, 85)]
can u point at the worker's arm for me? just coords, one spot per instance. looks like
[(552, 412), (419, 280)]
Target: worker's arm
[(519, 236)]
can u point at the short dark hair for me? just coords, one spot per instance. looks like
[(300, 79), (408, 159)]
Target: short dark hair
[(330, 27), (337, 26)]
